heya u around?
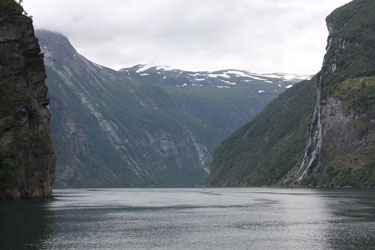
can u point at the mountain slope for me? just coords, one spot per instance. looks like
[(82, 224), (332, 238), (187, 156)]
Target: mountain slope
[(262, 151), (338, 148), (224, 99), (116, 128), (110, 130)]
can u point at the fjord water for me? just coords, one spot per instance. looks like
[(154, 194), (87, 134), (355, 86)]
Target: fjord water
[(196, 218)]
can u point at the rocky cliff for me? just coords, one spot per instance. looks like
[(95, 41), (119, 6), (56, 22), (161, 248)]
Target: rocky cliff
[(345, 152), (27, 162), (337, 112)]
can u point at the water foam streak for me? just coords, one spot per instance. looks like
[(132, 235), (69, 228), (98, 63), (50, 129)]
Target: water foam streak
[(311, 160)]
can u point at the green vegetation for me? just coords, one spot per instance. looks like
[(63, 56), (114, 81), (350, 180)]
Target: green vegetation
[(224, 109), (10, 5), (352, 44), (350, 176), (357, 92), (268, 147), (310, 181)]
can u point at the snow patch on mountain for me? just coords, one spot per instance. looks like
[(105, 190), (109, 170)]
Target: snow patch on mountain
[(215, 75), (256, 78), (142, 67), (231, 77), (238, 73), (231, 83)]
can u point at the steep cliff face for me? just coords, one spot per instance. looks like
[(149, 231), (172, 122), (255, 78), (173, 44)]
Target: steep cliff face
[(347, 154), (349, 145), (27, 162), (338, 148)]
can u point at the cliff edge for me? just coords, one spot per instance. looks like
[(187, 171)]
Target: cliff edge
[(27, 161)]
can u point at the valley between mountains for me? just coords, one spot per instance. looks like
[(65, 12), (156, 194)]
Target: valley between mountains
[(144, 125), (156, 126)]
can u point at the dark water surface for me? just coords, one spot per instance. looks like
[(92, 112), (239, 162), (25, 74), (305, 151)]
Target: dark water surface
[(230, 218)]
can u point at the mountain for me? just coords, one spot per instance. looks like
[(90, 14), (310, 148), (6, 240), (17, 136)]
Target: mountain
[(320, 132), (143, 127), (167, 76), (27, 162), (224, 99)]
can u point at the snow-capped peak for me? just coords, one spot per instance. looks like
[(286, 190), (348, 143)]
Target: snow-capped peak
[(166, 75), (142, 67)]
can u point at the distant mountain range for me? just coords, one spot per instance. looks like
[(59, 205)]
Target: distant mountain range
[(167, 76), (144, 125)]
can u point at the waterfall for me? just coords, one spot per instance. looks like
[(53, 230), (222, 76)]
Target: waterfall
[(311, 159)]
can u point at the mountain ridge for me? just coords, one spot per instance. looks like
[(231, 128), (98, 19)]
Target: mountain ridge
[(112, 129)]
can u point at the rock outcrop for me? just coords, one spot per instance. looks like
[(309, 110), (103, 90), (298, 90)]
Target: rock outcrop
[(27, 161)]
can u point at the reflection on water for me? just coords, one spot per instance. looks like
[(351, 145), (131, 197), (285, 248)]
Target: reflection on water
[(24, 224), (231, 218), (354, 223)]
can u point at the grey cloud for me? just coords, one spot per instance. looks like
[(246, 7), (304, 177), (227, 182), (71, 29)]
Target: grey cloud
[(256, 35)]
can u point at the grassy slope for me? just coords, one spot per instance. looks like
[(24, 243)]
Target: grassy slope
[(267, 148), (224, 109), (353, 23)]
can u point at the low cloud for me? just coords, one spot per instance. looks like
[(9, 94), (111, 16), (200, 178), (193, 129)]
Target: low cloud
[(255, 35)]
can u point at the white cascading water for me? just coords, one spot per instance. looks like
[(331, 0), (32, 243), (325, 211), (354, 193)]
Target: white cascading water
[(311, 159)]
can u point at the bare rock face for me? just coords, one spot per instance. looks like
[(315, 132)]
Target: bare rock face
[(27, 161), (349, 135)]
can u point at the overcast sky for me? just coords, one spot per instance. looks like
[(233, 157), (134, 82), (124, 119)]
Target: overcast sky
[(261, 36)]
